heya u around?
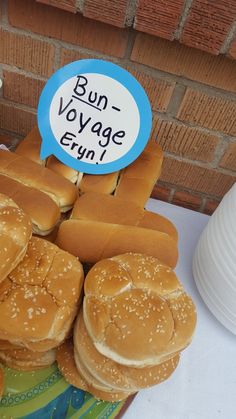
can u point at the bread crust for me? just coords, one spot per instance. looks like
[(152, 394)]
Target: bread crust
[(105, 184), (26, 361), (136, 311), (58, 167), (31, 174), (15, 233), (42, 210), (67, 367), (40, 298), (30, 146), (138, 179), (94, 206), (92, 241), (112, 374)]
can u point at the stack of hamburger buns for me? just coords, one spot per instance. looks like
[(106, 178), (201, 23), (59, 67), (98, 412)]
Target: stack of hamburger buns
[(126, 328), (135, 321), (40, 292)]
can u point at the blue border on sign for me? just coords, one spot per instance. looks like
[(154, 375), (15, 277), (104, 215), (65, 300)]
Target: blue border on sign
[(50, 144)]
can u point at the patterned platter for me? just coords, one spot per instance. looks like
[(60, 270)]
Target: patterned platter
[(45, 394)]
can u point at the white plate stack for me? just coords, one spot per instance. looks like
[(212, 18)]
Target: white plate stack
[(214, 262)]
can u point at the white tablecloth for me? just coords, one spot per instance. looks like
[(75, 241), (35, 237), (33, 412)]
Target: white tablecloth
[(204, 384)]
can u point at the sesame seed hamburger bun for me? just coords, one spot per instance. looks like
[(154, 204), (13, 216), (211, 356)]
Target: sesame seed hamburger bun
[(15, 232), (25, 360), (67, 367), (112, 374), (40, 298), (136, 311)]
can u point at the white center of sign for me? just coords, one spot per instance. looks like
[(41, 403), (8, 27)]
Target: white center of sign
[(94, 118)]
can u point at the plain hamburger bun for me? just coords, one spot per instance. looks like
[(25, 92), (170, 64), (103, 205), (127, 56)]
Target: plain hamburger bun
[(40, 298), (136, 311), (15, 233), (112, 374)]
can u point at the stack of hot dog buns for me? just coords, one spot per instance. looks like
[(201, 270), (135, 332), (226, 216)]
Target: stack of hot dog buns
[(140, 177), (40, 192)]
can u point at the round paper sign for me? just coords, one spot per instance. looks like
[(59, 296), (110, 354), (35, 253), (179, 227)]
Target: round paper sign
[(94, 117)]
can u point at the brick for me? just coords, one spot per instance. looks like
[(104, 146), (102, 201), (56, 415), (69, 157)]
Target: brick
[(158, 91), (161, 192), (69, 5), (27, 53), (69, 55), (177, 138), (228, 161), (208, 24), (22, 89), (210, 206), (181, 60), (208, 111), (112, 12), (187, 200), (16, 120), (158, 18), (196, 178), (65, 26), (232, 50)]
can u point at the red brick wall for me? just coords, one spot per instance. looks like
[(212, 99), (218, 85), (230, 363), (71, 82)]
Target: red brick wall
[(192, 91)]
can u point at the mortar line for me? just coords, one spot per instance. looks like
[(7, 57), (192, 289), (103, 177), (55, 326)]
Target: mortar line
[(130, 44), (17, 105), (229, 38), (130, 14), (203, 204), (57, 58), (17, 70), (4, 12), (183, 17), (80, 5)]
